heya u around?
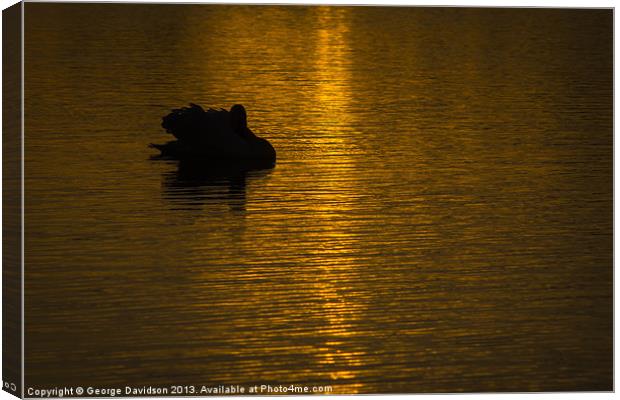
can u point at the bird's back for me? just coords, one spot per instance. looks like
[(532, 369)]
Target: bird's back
[(194, 124)]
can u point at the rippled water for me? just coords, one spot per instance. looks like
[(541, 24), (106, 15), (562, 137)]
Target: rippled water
[(439, 219)]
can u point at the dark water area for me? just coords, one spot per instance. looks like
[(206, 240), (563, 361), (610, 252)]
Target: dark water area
[(439, 218)]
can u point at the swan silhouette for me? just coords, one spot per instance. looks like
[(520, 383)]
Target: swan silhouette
[(214, 136)]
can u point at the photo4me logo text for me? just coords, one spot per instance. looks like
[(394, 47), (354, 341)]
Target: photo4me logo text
[(173, 390)]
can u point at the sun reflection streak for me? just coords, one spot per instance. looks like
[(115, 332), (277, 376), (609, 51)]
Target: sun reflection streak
[(333, 63), (336, 252)]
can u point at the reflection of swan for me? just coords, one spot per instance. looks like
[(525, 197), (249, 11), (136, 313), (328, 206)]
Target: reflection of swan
[(216, 136), (194, 184)]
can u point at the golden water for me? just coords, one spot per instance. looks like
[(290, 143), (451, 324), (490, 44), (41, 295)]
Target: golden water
[(439, 219)]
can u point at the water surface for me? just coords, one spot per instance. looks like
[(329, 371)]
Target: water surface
[(439, 219)]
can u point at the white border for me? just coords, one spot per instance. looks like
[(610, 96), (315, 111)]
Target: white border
[(458, 3)]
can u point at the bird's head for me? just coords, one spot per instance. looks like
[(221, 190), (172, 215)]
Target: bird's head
[(239, 118)]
